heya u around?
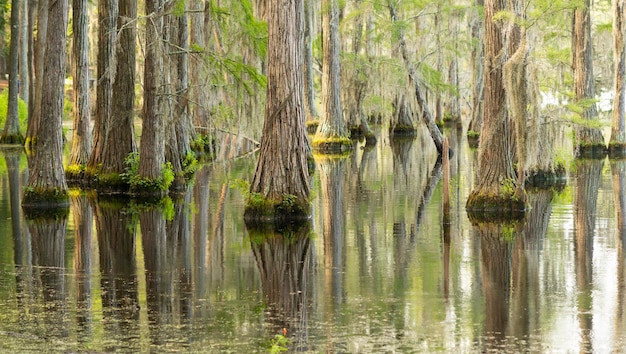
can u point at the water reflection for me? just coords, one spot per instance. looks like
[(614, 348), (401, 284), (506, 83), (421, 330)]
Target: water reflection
[(83, 260)]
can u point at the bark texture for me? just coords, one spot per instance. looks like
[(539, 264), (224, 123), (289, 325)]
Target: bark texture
[(81, 137), (589, 140), (496, 183), (332, 126), (477, 75), (282, 167), (617, 144), (152, 149), (46, 182), (39, 57), (11, 132)]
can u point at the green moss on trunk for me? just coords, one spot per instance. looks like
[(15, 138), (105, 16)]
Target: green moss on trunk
[(12, 139), (591, 151), (483, 206), (617, 150), (403, 130), (311, 126), (334, 145), (545, 179), (287, 209), (473, 138), (45, 202)]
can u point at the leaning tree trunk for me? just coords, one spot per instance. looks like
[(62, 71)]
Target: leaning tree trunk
[(425, 114), (81, 137), (11, 133), (282, 170), (331, 135), (39, 57), (617, 144), (589, 140), (152, 149), (496, 184), (46, 183)]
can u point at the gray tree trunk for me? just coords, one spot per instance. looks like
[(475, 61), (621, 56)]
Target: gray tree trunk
[(46, 182), (309, 89), (24, 34), (478, 75)]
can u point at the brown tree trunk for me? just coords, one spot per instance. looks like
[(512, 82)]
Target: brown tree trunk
[(11, 133), (81, 137), (152, 149), (120, 137), (309, 89), (282, 166), (331, 135), (617, 144), (496, 183), (198, 39), (589, 141), (39, 57), (46, 183)]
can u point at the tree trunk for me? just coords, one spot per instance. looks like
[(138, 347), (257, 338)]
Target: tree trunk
[(198, 39), (331, 135), (39, 57), (120, 136), (589, 141), (478, 75), (425, 114), (309, 89), (282, 166), (106, 73), (81, 137), (496, 184), (617, 144), (152, 149), (11, 133), (46, 183), (24, 34)]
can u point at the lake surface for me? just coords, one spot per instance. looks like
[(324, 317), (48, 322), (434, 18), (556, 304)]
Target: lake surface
[(374, 271)]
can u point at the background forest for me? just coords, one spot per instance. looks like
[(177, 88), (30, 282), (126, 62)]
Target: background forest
[(205, 61)]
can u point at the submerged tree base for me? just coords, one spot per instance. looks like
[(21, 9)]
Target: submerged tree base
[(358, 133), (403, 131), (544, 179), (617, 150), (473, 139), (12, 139), (485, 207), (591, 151), (311, 126), (334, 145), (290, 209), (45, 203)]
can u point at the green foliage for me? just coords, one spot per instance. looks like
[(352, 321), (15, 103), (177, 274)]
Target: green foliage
[(507, 188), (179, 8), (278, 344), (190, 165), (137, 182), (22, 111)]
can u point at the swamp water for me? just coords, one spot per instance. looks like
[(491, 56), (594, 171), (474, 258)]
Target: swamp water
[(373, 272)]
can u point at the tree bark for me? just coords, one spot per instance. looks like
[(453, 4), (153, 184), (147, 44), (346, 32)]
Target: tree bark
[(39, 57), (152, 149), (496, 182), (81, 137), (11, 133), (309, 89), (617, 143), (46, 183), (477, 75), (282, 166), (589, 141), (106, 73), (331, 133), (24, 68)]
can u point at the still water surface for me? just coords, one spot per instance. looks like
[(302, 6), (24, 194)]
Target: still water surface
[(374, 271)]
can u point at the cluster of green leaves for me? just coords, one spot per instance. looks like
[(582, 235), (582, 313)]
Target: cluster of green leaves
[(22, 111), (137, 182)]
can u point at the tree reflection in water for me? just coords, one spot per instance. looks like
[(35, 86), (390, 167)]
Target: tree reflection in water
[(283, 258), (83, 223), (618, 172)]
